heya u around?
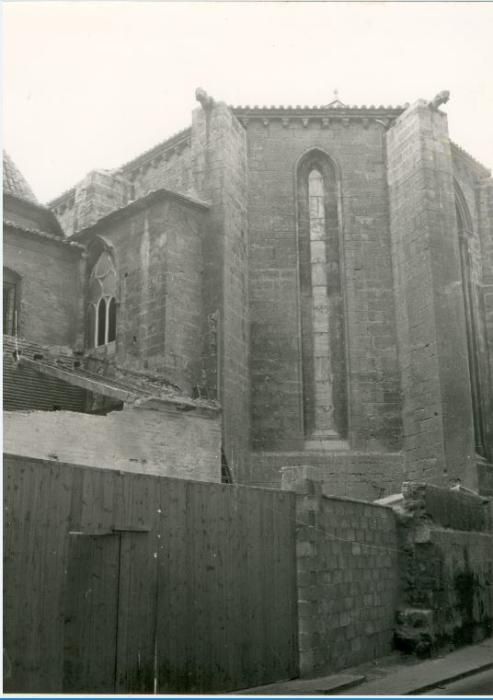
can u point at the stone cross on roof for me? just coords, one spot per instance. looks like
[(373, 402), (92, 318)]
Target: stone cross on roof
[(336, 102)]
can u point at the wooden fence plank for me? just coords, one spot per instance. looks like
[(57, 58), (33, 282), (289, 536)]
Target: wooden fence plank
[(173, 582), (37, 502), (91, 614)]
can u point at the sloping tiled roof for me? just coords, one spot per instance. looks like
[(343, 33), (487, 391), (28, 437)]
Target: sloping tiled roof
[(14, 182)]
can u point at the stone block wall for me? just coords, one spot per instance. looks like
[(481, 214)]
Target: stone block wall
[(437, 415), (163, 442), (51, 286), (275, 145), (347, 579)]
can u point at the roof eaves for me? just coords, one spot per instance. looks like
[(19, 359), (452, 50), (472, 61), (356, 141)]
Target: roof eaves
[(43, 234)]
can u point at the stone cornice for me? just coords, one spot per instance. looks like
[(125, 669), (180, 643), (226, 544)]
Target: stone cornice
[(324, 114)]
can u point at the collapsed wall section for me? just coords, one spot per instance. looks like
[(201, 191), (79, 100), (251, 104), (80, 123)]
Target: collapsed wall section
[(446, 569)]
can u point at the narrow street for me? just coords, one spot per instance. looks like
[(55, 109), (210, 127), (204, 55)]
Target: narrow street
[(477, 684)]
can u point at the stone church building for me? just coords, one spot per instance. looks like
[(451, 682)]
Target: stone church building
[(323, 274)]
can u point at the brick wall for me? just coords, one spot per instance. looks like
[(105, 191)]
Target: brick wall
[(158, 255), (275, 146), (162, 442), (347, 579), (51, 287), (220, 177), (438, 429)]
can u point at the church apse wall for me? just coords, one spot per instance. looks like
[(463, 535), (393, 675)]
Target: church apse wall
[(359, 286)]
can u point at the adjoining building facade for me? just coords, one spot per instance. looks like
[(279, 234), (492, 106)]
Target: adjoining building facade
[(324, 273)]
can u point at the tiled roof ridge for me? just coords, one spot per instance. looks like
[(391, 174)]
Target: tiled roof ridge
[(465, 154), (43, 234), (318, 108), (138, 160)]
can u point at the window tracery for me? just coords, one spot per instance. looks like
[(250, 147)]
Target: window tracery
[(102, 302)]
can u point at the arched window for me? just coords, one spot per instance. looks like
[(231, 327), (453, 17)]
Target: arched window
[(11, 301), (101, 312), (322, 313)]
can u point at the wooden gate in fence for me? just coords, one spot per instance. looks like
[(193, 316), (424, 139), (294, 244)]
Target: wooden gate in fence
[(124, 583)]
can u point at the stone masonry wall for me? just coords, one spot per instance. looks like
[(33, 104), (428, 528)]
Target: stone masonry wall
[(158, 255), (164, 442), (437, 413), (220, 177), (50, 287), (347, 580), (275, 146)]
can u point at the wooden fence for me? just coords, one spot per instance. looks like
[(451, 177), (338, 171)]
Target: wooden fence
[(124, 583)]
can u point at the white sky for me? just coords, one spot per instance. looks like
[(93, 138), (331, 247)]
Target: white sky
[(92, 84)]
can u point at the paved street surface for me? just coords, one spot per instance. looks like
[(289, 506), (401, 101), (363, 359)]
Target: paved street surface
[(478, 684)]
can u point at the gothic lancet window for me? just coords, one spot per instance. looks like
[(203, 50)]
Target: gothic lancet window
[(101, 312), (322, 315)]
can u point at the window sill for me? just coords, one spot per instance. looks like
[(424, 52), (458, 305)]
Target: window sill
[(102, 351)]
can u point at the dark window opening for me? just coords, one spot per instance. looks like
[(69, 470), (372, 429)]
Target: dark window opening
[(112, 320), (9, 308), (101, 312)]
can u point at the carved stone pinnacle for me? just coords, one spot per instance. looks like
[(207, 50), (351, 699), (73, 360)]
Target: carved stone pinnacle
[(205, 100), (439, 99)]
